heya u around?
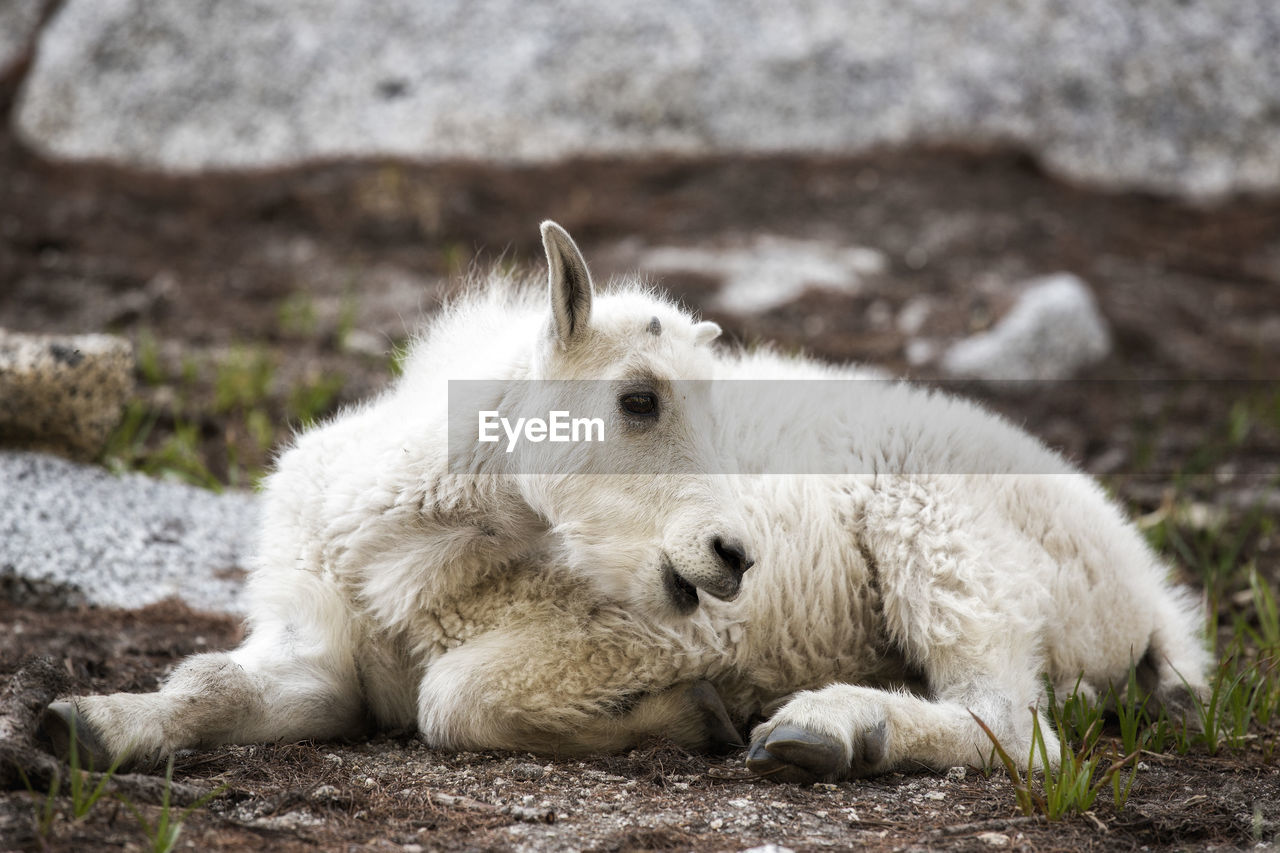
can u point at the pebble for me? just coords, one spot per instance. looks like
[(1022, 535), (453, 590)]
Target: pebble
[(325, 794), (528, 772)]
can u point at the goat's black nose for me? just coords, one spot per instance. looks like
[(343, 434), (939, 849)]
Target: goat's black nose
[(733, 555)]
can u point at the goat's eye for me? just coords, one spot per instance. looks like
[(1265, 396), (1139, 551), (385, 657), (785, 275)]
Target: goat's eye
[(641, 404)]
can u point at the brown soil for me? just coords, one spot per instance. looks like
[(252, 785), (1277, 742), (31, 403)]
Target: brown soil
[(393, 792), (1193, 296)]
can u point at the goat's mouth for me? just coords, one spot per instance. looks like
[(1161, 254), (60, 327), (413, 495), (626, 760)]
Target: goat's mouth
[(683, 595)]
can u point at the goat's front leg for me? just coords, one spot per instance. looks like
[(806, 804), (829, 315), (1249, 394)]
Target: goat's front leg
[(949, 607), (564, 692), (267, 690), (690, 714), (846, 730)]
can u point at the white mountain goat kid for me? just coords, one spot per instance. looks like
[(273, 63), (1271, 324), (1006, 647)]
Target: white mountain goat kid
[(411, 577)]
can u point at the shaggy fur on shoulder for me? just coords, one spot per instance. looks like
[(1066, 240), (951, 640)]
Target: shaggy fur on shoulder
[(884, 563)]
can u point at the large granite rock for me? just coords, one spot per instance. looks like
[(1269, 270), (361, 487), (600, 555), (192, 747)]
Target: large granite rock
[(1181, 97), (72, 534), (62, 393)]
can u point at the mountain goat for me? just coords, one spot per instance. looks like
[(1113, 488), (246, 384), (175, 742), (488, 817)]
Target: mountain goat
[(917, 561)]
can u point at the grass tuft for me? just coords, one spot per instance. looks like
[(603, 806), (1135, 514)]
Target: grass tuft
[(1100, 740), (243, 380), (46, 807), (84, 796), (1074, 784), (163, 834)]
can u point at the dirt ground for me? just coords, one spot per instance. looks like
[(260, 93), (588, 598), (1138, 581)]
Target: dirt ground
[(393, 793), (1182, 414)]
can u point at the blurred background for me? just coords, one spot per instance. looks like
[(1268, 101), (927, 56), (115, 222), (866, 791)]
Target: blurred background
[(261, 200)]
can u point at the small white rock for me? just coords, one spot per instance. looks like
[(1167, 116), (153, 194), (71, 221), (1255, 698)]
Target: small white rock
[(288, 822), (325, 794), (913, 314), (1052, 332), (920, 352), (994, 839), (363, 342)]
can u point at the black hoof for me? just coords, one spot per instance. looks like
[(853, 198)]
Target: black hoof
[(721, 735), (871, 751), (793, 754), (63, 725)]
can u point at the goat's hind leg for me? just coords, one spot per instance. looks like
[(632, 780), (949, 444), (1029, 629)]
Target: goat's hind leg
[(253, 694)]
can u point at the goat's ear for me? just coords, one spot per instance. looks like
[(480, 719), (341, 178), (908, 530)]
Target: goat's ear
[(705, 332), (569, 285)]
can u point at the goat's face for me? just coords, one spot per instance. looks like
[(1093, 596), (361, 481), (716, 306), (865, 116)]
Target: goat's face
[(647, 511)]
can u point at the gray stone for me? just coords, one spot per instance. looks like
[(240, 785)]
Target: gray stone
[(528, 772), (325, 794), (91, 537), (61, 393), (1181, 97), (19, 20), (1053, 331), (291, 822)]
